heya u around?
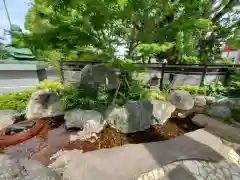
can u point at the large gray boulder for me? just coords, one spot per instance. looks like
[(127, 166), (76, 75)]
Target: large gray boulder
[(88, 119), (226, 109), (221, 111), (181, 99), (23, 169), (132, 117), (162, 111), (94, 75), (42, 104), (7, 118)]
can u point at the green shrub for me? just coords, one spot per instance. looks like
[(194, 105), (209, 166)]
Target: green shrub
[(77, 97), (194, 89), (18, 100), (234, 86), (50, 84), (155, 94), (233, 90), (15, 100)]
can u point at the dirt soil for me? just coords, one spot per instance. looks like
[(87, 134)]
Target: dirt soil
[(110, 137)]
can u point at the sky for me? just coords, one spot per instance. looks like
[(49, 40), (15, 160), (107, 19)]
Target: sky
[(17, 10)]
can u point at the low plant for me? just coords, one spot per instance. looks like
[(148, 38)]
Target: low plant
[(213, 89), (77, 97), (50, 84), (15, 100), (82, 97), (18, 100), (234, 86), (194, 89)]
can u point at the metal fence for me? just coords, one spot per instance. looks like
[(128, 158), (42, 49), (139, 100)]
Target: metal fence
[(187, 69)]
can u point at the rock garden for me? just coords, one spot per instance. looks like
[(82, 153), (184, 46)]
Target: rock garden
[(103, 109)]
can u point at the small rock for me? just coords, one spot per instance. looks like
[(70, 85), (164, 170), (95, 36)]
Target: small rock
[(200, 120), (181, 115), (219, 111), (18, 127), (7, 118), (132, 117), (162, 111), (210, 99), (19, 116), (62, 161), (200, 101), (181, 99), (42, 104), (88, 120)]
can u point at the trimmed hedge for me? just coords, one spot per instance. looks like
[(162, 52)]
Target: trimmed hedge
[(18, 100)]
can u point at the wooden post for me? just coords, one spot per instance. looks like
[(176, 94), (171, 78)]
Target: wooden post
[(203, 75), (162, 76)]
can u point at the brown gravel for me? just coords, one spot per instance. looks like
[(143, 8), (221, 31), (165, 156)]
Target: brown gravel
[(110, 137)]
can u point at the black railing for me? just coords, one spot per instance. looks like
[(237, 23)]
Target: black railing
[(188, 69)]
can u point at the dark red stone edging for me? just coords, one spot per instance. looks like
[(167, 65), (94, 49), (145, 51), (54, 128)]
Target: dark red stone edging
[(9, 140)]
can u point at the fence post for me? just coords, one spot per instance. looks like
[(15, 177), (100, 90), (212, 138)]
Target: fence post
[(203, 75), (227, 76), (61, 71), (162, 76)]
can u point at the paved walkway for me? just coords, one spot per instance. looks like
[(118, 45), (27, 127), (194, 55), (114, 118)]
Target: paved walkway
[(198, 155), (195, 170)]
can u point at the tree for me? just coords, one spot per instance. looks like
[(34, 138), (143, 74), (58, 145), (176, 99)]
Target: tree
[(95, 29)]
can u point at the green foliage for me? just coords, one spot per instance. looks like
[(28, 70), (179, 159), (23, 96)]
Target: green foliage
[(227, 61), (151, 50), (18, 100), (234, 39), (15, 100), (3, 53), (77, 97), (194, 89), (210, 89), (216, 89), (234, 87), (71, 27), (80, 97), (232, 90), (50, 84), (125, 65)]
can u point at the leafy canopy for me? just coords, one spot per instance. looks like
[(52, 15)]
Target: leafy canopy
[(181, 31)]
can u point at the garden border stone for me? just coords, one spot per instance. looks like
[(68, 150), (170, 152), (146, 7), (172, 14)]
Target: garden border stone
[(217, 127)]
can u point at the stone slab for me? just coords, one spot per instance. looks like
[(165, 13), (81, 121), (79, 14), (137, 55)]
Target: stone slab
[(129, 161), (218, 128)]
